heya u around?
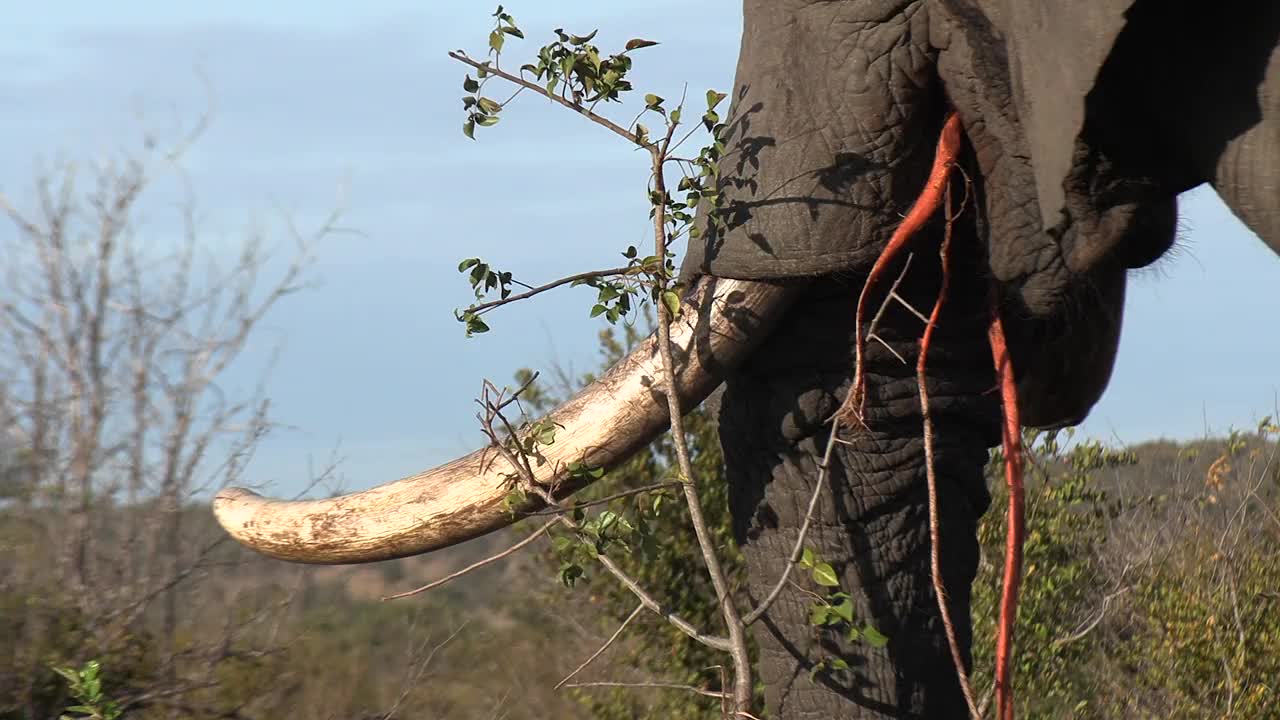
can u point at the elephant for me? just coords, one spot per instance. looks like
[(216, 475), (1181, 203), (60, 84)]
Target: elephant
[(1082, 122)]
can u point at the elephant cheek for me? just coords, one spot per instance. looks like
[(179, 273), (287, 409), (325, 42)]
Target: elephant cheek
[(1063, 362)]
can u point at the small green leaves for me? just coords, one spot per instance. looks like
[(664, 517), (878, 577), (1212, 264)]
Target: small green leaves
[(835, 610), (638, 43), (714, 98), (471, 320), (482, 111), (829, 665), (543, 432), (515, 500), (484, 278), (653, 102), (505, 25), (580, 471), (85, 685)]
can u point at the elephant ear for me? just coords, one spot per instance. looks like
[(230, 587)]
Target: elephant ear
[(1055, 51)]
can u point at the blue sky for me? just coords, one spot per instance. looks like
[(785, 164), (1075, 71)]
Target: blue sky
[(319, 105)]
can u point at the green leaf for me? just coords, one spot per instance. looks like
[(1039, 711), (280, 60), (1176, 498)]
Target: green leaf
[(469, 128), (546, 434), (671, 299), (569, 574), (513, 30), (496, 40), (844, 610), (462, 266), (475, 325), (825, 575), (714, 98), (874, 637), (490, 106), (807, 558), (582, 39), (486, 120), (818, 614), (675, 116), (652, 101), (470, 85)]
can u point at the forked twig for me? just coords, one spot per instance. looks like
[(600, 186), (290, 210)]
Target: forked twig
[(823, 468), (612, 638), (524, 474)]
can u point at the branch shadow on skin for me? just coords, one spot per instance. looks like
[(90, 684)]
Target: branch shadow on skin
[(742, 161)]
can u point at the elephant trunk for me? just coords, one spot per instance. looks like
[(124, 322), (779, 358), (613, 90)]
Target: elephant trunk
[(872, 522), (721, 322)]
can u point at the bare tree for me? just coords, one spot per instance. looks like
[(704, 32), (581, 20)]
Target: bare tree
[(114, 420)]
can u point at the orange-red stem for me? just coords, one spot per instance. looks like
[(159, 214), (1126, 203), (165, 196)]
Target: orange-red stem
[(924, 206), (1012, 442)]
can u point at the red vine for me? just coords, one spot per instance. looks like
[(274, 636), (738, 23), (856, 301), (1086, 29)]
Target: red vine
[(1011, 432), (851, 414)]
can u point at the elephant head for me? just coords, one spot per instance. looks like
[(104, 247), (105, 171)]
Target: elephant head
[(1083, 123)]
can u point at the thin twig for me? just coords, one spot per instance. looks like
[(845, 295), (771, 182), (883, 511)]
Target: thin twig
[(484, 307), (742, 690), (823, 468), (475, 565), (525, 474), (931, 475), (903, 302), (660, 685), (612, 638), (606, 498)]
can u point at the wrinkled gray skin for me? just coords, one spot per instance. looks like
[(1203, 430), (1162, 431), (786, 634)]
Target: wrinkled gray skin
[(1083, 124)]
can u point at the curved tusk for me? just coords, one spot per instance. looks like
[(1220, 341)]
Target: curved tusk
[(601, 426)]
